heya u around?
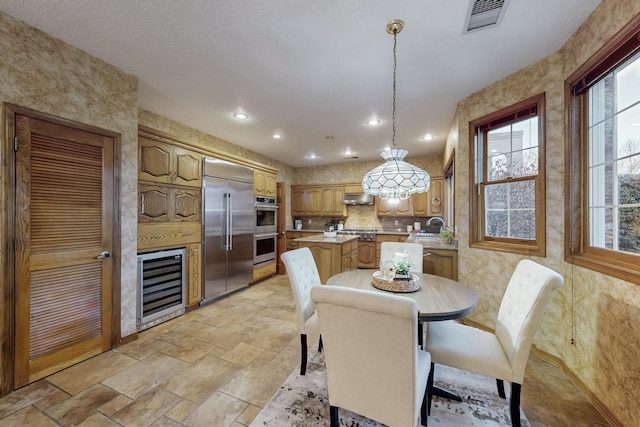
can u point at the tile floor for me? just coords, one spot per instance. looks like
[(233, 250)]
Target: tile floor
[(218, 366)]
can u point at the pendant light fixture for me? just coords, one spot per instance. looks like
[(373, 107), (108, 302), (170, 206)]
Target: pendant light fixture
[(395, 179)]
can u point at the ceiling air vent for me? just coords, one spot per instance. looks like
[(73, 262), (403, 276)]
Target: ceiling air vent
[(485, 13)]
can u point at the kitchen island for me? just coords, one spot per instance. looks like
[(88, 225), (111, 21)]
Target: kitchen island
[(440, 259), (332, 255)]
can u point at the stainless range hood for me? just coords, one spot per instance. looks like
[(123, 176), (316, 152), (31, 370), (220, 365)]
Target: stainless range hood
[(357, 199)]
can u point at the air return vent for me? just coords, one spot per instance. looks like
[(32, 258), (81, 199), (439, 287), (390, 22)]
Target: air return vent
[(485, 13)]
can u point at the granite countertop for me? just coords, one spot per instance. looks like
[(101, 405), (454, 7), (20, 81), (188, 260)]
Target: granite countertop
[(319, 238), (434, 244)]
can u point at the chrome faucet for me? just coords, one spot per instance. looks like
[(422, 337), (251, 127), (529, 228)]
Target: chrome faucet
[(436, 218)]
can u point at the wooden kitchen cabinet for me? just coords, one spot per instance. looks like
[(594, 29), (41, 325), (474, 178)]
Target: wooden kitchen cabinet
[(367, 254), (380, 237), (264, 271), (306, 201), (333, 258), (164, 163), (164, 203), (402, 208), (442, 263), (332, 202), (194, 274), (264, 183), (350, 256), (430, 203), (316, 200)]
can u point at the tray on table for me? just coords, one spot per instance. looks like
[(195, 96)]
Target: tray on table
[(409, 284)]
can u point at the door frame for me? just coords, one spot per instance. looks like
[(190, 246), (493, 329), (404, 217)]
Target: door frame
[(7, 236)]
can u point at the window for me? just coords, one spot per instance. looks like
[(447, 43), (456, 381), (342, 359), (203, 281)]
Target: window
[(604, 202), (449, 193), (507, 197)]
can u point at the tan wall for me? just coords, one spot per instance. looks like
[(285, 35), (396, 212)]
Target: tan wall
[(603, 312), (50, 76)]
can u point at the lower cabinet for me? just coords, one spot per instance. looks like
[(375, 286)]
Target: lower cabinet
[(367, 254), (194, 274), (264, 271), (441, 263), (332, 258)]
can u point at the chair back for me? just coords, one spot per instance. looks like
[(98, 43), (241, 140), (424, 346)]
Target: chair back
[(521, 310), (370, 341), (415, 250), (303, 275)]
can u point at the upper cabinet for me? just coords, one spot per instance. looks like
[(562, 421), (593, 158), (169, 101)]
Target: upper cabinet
[(168, 164), (264, 183), (312, 200), (401, 208), (429, 203)]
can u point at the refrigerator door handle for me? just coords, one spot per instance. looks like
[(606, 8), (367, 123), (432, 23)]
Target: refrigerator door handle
[(225, 219), (230, 222)]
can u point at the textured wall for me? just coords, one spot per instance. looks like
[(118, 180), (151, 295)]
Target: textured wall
[(602, 313), (47, 75)]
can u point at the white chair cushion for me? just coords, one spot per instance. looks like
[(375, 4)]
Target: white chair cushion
[(454, 344), (303, 275)]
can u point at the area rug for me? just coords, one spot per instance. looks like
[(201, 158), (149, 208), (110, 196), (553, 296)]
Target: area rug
[(303, 401)]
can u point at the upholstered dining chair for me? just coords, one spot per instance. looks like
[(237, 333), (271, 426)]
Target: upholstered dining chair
[(303, 275), (502, 355), (415, 251), (375, 367)]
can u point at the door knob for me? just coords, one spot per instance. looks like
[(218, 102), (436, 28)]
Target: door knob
[(104, 254)]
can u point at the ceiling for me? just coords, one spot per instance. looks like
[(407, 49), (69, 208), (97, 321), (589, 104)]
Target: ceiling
[(314, 71)]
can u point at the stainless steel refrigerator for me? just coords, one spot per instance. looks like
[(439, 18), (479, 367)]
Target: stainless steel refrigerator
[(228, 227)]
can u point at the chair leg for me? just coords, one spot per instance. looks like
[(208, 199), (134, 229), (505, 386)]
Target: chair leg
[(320, 344), (515, 404), (501, 389), (423, 410), (303, 351), (333, 414), (420, 334), (430, 390)]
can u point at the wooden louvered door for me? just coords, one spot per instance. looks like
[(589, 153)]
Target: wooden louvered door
[(64, 210)]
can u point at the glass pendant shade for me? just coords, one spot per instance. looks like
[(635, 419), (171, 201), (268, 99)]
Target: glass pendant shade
[(395, 178)]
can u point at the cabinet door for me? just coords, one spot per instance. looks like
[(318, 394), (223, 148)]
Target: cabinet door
[(194, 269), (420, 204), (323, 256), (384, 208), (259, 183), (339, 209), (187, 167), (311, 201), (441, 263), (367, 254), (435, 194), (154, 161), (185, 205), (271, 185), (297, 202), (154, 203)]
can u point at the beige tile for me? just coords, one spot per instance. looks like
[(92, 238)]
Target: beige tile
[(141, 349), (28, 416), (181, 411), (219, 410), (144, 375), (98, 420), (242, 354), (248, 415), (257, 382), (165, 422), (289, 356), (272, 338), (26, 396), (267, 355), (183, 334), (79, 407), (191, 350), (115, 405), (229, 336), (51, 400), (198, 381), (147, 408), (83, 375)]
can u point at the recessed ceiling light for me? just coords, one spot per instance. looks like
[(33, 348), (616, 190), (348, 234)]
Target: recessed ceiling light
[(348, 152), (240, 116), (428, 137), (312, 156), (276, 136), (374, 122)]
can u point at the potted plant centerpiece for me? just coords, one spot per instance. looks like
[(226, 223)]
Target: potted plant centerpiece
[(447, 237), (402, 265)]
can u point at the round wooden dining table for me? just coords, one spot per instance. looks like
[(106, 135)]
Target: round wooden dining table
[(437, 299)]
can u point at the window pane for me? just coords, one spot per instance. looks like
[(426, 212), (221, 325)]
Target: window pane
[(629, 220), (510, 210), (628, 132), (628, 83), (499, 167), (601, 227), (525, 163), (598, 103)]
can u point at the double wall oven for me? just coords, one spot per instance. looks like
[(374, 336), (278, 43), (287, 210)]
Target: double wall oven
[(264, 243)]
